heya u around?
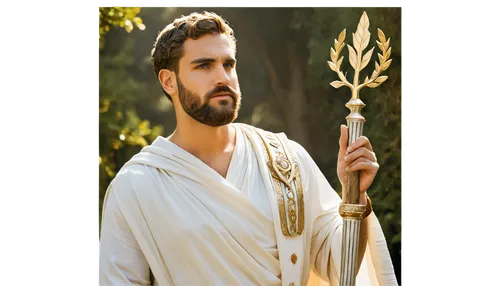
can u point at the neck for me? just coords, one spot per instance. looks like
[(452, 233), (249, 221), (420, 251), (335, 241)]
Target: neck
[(203, 141)]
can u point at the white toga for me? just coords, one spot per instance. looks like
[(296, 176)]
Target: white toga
[(168, 213)]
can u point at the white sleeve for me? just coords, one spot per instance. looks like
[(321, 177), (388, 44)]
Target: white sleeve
[(121, 261)]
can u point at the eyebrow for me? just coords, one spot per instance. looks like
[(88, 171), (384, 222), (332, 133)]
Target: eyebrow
[(211, 60)]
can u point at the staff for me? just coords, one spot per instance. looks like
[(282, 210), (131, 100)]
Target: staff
[(350, 210)]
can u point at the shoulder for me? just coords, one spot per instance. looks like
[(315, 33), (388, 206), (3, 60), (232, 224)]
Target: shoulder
[(299, 151), (131, 180), (296, 148), (130, 173)]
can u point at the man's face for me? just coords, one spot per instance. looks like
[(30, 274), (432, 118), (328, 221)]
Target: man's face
[(207, 81)]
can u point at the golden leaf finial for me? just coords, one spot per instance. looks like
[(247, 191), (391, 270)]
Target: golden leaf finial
[(358, 61)]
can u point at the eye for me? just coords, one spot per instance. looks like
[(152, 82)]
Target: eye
[(204, 66), (229, 65)]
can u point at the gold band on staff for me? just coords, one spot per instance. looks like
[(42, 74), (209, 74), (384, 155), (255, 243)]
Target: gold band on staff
[(352, 211)]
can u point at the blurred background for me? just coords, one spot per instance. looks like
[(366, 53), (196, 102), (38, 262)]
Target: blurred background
[(284, 78)]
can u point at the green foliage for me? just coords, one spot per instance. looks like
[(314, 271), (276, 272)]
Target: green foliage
[(122, 131), (118, 17)]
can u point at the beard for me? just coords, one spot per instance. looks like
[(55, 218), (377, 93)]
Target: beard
[(224, 113)]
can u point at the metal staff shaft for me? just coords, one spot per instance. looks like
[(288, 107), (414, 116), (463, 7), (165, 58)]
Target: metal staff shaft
[(351, 210)]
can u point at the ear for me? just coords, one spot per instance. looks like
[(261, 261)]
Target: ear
[(168, 81)]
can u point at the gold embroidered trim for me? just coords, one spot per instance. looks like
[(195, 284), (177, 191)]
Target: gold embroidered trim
[(300, 194), (298, 186), (285, 174)]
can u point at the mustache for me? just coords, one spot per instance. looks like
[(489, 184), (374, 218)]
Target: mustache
[(221, 89)]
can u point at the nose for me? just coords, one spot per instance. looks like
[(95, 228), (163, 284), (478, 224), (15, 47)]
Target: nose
[(221, 76)]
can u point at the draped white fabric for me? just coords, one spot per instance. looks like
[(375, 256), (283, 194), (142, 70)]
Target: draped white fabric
[(168, 211)]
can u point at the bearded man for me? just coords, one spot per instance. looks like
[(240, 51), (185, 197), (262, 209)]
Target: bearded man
[(223, 203)]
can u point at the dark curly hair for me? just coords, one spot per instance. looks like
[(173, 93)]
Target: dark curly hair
[(168, 48)]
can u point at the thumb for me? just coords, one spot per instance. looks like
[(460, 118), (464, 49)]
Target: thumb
[(343, 141)]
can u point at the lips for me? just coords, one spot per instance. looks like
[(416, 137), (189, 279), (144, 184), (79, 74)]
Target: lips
[(221, 95)]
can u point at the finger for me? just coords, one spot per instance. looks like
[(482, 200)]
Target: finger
[(342, 141), (362, 164), (360, 152), (360, 142)]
